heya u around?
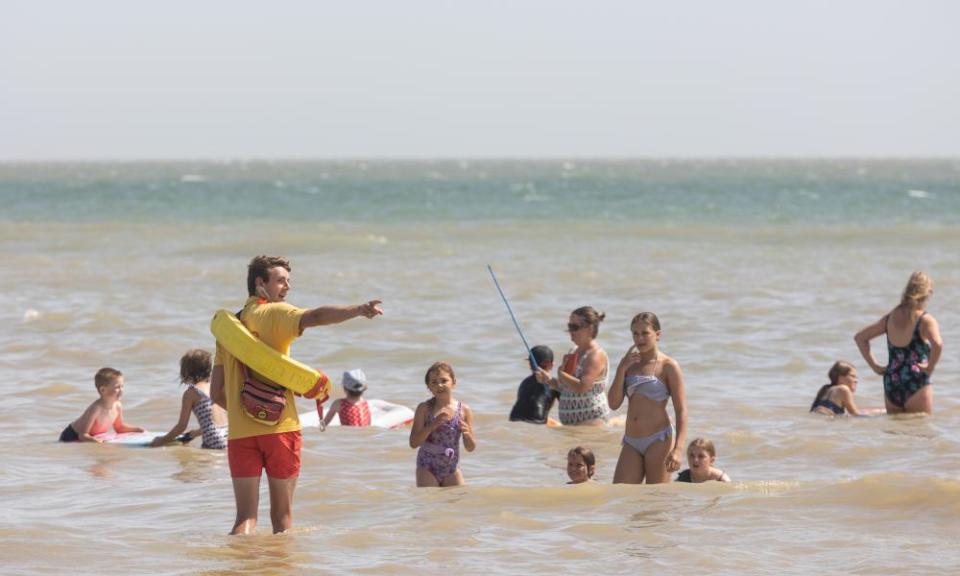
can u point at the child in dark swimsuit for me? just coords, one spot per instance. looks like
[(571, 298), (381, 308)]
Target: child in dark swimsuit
[(438, 425), (835, 398), (534, 399), (906, 377), (701, 455)]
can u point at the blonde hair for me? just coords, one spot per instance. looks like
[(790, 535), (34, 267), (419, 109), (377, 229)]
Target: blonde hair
[(703, 444), (918, 289), (106, 376)]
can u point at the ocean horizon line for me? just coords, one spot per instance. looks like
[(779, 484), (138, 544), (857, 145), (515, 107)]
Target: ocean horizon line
[(415, 159)]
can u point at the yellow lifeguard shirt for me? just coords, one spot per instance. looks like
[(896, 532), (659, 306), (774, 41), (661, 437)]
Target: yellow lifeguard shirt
[(276, 324)]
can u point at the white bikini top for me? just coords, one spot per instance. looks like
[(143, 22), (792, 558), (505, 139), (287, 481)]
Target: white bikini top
[(646, 384)]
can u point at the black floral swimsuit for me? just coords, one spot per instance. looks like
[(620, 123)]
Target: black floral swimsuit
[(904, 376)]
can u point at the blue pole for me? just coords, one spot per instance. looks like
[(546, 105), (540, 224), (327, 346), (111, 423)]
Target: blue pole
[(533, 361)]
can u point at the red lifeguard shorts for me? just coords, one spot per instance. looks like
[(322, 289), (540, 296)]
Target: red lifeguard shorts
[(278, 453)]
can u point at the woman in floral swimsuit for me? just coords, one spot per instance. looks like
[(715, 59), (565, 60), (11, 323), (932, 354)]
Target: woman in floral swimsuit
[(906, 377)]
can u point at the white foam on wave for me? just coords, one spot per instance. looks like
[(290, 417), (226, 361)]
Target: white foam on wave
[(193, 178), (30, 315), (919, 194)]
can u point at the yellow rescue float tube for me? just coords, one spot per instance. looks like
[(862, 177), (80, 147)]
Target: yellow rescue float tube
[(264, 360)]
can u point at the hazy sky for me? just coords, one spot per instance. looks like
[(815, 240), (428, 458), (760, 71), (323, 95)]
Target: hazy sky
[(126, 79)]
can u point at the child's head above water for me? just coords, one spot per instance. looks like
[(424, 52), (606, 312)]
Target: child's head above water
[(439, 377), (701, 454), (843, 373), (354, 383), (106, 376), (195, 366), (581, 465), (543, 355), (106, 379)]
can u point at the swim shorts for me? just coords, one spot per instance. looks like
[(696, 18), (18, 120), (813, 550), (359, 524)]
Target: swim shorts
[(278, 453)]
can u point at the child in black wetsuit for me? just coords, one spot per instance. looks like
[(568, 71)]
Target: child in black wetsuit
[(534, 399)]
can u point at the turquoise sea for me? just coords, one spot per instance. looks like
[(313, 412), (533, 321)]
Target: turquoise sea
[(761, 271)]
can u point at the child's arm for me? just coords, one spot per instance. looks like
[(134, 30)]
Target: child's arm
[(846, 400), (186, 405), (469, 442), (723, 477), (615, 393), (84, 423), (678, 393), (334, 408), (120, 426), (863, 338), (420, 431)]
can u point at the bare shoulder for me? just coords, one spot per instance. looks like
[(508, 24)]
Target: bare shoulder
[(466, 410), (670, 366), (601, 354), (423, 407)]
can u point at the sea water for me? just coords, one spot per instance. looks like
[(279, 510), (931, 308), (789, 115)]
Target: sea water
[(761, 271)]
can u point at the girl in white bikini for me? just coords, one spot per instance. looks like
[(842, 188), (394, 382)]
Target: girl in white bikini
[(647, 378)]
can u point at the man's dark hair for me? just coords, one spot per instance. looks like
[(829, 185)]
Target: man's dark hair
[(260, 268)]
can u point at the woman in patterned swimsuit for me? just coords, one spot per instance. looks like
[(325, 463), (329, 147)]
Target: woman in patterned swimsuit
[(438, 425), (195, 369), (582, 378), (906, 377)]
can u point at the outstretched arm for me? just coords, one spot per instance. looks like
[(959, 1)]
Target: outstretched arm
[(120, 426), (863, 338), (186, 405), (325, 315)]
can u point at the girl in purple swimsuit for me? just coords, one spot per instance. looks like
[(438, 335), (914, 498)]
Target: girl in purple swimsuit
[(648, 378), (437, 427)]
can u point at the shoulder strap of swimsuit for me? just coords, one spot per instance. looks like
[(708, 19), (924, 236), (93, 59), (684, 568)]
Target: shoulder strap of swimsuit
[(916, 329)]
